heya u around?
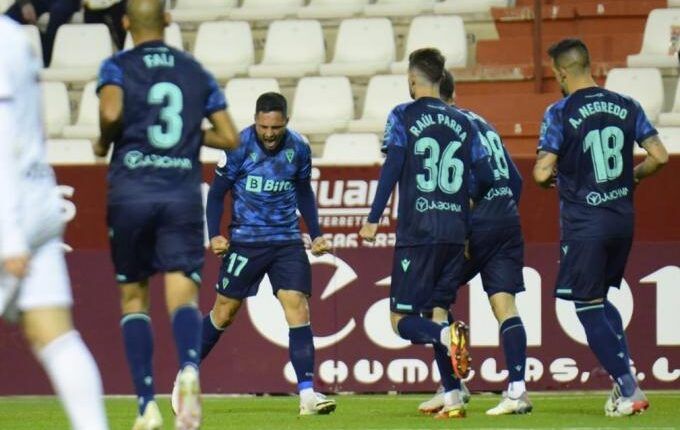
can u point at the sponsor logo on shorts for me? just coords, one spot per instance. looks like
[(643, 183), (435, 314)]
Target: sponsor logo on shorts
[(595, 199), (136, 159), (424, 205), (258, 184), (405, 263)]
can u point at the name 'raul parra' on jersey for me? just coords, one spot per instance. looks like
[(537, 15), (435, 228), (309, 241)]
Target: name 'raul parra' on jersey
[(593, 132)]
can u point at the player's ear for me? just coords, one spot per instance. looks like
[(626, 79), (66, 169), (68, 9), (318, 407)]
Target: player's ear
[(126, 23), (167, 18)]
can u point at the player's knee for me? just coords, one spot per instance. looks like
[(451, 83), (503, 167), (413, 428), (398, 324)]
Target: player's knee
[(503, 306), (134, 298), (223, 315)]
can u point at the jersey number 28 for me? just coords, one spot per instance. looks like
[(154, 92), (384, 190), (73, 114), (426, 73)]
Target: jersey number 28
[(170, 97)]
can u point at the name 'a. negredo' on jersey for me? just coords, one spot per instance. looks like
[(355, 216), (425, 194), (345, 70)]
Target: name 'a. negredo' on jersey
[(441, 146), (167, 94), (593, 131)]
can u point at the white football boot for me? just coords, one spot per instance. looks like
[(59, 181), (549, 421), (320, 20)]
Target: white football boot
[(151, 419), (318, 404)]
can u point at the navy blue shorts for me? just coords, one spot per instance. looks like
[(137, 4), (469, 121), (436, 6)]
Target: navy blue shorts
[(425, 276), (151, 237), (245, 265), (589, 267), (498, 255)]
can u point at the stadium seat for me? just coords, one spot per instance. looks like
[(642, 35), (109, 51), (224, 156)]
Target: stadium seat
[(468, 6), (322, 105), (293, 49), (33, 34), (399, 7), (351, 149), (325, 9), (56, 107), (670, 136), (643, 85), (658, 46), (78, 51), (383, 93), (202, 10), (5, 4), (672, 118), (87, 124), (355, 57), (446, 33), (225, 48), (173, 37), (241, 96), (210, 155), (70, 151), (266, 10)]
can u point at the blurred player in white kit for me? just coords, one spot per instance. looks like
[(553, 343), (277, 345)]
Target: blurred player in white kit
[(34, 283)]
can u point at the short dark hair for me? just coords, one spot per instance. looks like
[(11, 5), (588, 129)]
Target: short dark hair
[(576, 46), (271, 102), (429, 61), (447, 86)]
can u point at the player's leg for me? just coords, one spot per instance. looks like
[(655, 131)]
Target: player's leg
[(582, 279), (291, 277), (132, 240), (221, 316), (45, 300)]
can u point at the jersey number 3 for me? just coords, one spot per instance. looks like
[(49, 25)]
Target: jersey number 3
[(170, 97), (605, 149), (445, 171)]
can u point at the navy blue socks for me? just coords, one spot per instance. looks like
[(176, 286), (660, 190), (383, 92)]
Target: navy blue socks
[(186, 326), (301, 350), (209, 336), (138, 341), (615, 321), (514, 339)]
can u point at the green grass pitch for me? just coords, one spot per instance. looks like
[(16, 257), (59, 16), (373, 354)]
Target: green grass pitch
[(576, 411)]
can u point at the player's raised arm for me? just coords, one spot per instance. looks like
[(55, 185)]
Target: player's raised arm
[(648, 138), (395, 147), (549, 145), (110, 90), (223, 134), (13, 243)]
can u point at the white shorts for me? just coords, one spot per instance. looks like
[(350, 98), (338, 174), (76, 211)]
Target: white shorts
[(46, 284)]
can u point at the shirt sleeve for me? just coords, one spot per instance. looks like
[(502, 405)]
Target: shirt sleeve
[(643, 127), (395, 134), (230, 164), (305, 163), (552, 131), (216, 100), (12, 238), (110, 73), (389, 175), (515, 179)]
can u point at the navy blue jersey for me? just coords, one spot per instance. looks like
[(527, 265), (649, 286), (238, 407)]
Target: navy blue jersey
[(592, 131), (498, 208), (167, 94), (442, 146), (264, 190)]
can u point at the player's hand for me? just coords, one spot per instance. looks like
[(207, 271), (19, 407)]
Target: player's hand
[(368, 232), (16, 266), (320, 246), (219, 245), (28, 14)]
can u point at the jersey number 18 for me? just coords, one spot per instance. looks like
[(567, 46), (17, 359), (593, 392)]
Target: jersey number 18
[(605, 149)]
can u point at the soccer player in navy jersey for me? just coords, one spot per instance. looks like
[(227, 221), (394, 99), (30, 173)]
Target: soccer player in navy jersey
[(496, 252), (153, 100), (435, 153), (586, 145), (269, 179)]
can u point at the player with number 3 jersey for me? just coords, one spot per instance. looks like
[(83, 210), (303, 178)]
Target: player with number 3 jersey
[(588, 137)]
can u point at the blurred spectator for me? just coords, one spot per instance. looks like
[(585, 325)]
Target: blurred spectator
[(29, 11), (109, 12)]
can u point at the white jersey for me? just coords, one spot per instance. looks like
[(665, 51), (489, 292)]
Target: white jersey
[(30, 210)]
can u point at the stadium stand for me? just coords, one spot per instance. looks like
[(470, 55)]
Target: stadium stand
[(322, 105), (225, 48), (210, 155), (644, 85), (56, 108), (331, 9), (399, 7), (468, 6), (78, 52), (353, 56), (351, 149), (241, 95), (383, 93), (70, 151), (293, 49), (661, 40), (202, 10), (87, 125), (446, 33), (264, 10), (173, 37), (672, 118), (33, 34)]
